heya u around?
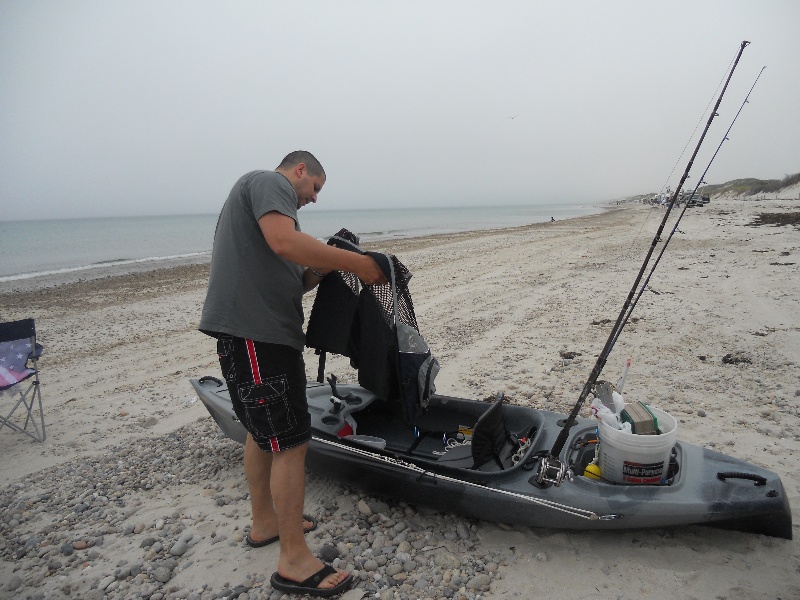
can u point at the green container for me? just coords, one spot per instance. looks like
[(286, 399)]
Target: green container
[(643, 421)]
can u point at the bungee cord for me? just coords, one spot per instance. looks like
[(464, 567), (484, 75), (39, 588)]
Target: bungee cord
[(409, 466)]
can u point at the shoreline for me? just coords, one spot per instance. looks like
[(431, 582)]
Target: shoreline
[(34, 281), (135, 493)]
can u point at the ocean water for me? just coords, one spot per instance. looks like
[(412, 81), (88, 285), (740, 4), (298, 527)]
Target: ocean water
[(33, 248)]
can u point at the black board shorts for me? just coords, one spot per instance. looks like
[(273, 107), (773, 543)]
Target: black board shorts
[(267, 385)]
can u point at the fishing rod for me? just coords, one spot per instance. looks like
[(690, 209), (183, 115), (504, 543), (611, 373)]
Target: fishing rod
[(688, 141), (686, 205), (551, 470)]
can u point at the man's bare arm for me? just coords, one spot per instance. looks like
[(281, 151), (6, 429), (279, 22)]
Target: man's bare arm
[(302, 249)]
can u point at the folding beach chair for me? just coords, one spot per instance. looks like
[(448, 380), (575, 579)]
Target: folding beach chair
[(19, 376)]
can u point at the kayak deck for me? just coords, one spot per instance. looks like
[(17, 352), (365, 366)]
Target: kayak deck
[(360, 442)]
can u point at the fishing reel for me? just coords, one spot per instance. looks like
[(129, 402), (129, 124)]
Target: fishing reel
[(551, 472)]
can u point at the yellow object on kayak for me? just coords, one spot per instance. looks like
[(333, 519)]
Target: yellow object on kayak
[(592, 471)]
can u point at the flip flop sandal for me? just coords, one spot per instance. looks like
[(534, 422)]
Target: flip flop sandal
[(309, 586), (260, 544)]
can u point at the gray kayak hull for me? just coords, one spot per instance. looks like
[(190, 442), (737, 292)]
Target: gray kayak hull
[(388, 458)]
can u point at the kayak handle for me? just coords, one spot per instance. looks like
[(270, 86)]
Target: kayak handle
[(739, 475), (210, 378)]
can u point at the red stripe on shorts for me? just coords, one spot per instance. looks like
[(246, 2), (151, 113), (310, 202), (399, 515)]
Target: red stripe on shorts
[(276, 447), (251, 354)]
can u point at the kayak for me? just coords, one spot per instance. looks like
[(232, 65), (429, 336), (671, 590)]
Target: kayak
[(391, 434), (360, 443)]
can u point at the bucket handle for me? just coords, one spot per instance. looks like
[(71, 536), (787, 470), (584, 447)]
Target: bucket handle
[(739, 475)]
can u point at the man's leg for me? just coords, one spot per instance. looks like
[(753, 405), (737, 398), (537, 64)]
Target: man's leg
[(288, 490), (258, 469), (267, 386)]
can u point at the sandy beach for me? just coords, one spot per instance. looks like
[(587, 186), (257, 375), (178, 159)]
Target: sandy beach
[(136, 494)]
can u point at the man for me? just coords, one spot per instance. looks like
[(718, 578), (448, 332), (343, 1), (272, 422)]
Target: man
[(261, 265)]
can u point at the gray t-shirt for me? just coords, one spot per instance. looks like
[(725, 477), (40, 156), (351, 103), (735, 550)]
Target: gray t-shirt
[(252, 292)]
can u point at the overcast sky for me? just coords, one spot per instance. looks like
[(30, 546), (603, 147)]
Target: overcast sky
[(111, 108)]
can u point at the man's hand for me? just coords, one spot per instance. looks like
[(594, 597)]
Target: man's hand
[(368, 270)]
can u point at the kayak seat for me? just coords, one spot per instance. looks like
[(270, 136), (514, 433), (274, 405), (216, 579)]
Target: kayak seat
[(492, 445)]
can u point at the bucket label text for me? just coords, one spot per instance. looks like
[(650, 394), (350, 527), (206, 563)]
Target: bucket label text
[(642, 473)]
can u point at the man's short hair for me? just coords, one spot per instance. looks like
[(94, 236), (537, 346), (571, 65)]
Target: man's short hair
[(301, 156)]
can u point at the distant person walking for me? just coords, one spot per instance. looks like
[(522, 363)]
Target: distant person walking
[(261, 265)]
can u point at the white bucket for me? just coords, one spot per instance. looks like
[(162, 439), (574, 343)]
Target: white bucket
[(636, 459)]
